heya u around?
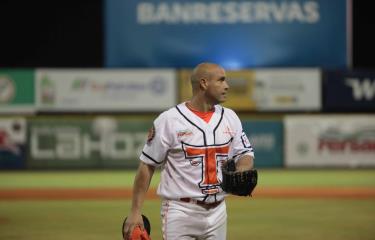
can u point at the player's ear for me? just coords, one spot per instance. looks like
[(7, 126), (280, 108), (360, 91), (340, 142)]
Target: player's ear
[(203, 83)]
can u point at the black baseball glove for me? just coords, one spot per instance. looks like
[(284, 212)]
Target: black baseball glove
[(238, 183)]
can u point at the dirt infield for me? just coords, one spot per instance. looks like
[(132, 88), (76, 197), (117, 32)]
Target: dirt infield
[(120, 193)]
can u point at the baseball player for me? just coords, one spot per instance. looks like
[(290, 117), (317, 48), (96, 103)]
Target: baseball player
[(190, 143)]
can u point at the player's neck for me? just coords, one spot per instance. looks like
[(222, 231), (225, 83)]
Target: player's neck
[(200, 105)]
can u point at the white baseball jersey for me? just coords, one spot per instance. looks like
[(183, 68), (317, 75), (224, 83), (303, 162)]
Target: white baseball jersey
[(191, 151)]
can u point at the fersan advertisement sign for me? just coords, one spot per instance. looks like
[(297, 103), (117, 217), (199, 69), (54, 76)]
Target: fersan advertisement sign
[(330, 141)]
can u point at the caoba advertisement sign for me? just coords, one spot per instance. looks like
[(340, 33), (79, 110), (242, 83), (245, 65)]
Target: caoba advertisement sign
[(86, 143)]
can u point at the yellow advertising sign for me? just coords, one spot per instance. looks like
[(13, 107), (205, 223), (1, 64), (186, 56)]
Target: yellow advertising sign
[(241, 87)]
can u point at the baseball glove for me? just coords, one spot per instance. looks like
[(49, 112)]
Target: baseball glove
[(238, 183), (137, 233)]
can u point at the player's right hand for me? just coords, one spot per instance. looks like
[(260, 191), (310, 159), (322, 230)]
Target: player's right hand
[(132, 221)]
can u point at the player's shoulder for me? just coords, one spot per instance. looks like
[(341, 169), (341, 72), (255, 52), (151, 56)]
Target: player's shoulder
[(231, 115), (228, 111), (171, 111), (166, 115)]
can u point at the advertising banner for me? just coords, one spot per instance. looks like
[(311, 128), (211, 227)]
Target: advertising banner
[(241, 88), (17, 91), (287, 89), (272, 89), (349, 91), (12, 143), (236, 34), (330, 141), (86, 143), (138, 90), (266, 137)]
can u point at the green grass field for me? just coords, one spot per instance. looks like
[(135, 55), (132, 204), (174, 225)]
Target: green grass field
[(92, 179), (248, 218)]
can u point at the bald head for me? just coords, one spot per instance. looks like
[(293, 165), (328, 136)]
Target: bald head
[(202, 71)]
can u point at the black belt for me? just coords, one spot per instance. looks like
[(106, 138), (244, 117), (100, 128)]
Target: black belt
[(201, 203)]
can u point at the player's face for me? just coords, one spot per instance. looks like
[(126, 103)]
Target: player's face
[(217, 89)]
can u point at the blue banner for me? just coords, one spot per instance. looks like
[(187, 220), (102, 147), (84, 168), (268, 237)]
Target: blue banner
[(9, 159), (235, 34), (266, 136), (348, 91)]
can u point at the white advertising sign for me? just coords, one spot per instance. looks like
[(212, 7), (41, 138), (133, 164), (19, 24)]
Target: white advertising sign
[(105, 90), (333, 140), (287, 89)]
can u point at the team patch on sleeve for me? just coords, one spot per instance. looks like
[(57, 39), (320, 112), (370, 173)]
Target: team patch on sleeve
[(151, 135), (245, 140)]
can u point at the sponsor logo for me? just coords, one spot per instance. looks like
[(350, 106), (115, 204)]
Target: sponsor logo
[(71, 142), (229, 131), (360, 141), (7, 89), (184, 133), (362, 89), (156, 85), (263, 141), (228, 12), (47, 90), (302, 148), (285, 99), (6, 143)]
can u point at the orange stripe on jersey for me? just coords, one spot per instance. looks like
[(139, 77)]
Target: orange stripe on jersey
[(210, 163), (206, 116), (210, 172)]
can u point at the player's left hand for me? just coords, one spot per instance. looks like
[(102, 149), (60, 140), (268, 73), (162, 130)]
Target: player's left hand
[(241, 183)]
